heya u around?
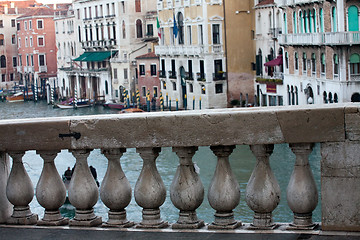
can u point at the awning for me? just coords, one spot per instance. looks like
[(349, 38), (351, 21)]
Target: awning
[(275, 62), (95, 56)]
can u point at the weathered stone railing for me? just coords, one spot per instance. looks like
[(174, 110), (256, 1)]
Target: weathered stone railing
[(336, 127)]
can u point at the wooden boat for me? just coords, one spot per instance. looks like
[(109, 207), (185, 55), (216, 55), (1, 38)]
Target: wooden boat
[(131, 110), (114, 105), (19, 97), (70, 104)]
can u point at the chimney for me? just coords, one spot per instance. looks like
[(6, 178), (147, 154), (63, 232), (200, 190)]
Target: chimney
[(6, 9), (54, 6)]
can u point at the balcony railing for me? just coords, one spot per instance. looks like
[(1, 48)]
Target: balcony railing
[(172, 74), (300, 127), (354, 77), (179, 50), (162, 74), (219, 76), (189, 76), (328, 38), (42, 68)]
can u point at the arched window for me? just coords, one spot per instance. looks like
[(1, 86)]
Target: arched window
[(336, 100), (296, 61), (304, 62), (336, 65), (286, 60), (301, 20), (325, 97), (285, 24), (323, 64), (139, 32), (355, 64), (3, 61), (289, 96), (123, 30), (314, 20), (313, 63), (294, 22), (330, 98), (292, 96), (333, 20), (355, 97), (353, 18), (180, 20), (310, 17), (296, 96), (306, 30), (321, 20)]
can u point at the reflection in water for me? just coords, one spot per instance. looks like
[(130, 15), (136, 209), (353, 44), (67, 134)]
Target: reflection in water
[(242, 162)]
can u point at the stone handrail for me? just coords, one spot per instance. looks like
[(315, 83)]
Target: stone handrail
[(335, 126)]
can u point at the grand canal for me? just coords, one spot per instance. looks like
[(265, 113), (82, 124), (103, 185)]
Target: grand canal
[(242, 162)]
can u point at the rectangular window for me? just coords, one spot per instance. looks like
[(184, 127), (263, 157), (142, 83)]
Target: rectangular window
[(27, 60), (32, 59), (149, 30), (18, 26), (96, 12), (25, 25), (89, 12), (155, 92), (20, 60), (216, 33), (3, 77), (189, 35), (14, 62), (78, 13), (142, 70), (13, 39), (218, 88), (115, 73), (40, 24), (19, 43), (123, 6), (13, 23), (172, 41), (26, 42), (31, 41), (137, 5), (41, 42), (42, 60), (11, 77), (143, 91), (153, 69), (1, 39), (174, 86), (164, 84), (30, 25), (125, 73), (200, 35)]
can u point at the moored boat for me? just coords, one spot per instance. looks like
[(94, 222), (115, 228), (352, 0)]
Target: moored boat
[(114, 105), (19, 97), (81, 103)]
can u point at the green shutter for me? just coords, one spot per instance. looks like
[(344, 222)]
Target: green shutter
[(336, 59), (353, 18), (323, 60)]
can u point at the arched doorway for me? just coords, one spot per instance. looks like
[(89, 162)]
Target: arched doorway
[(355, 97), (309, 95), (183, 85)]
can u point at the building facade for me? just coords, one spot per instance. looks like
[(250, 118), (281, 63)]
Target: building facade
[(269, 65), (37, 46), (67, 47), (148, 78), (200, 54), (321, 51), (9, 11)]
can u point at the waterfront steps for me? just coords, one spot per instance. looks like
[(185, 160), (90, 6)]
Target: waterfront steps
[(336, 127)]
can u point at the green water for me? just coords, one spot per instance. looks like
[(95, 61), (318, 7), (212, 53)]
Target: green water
[(242, 162)]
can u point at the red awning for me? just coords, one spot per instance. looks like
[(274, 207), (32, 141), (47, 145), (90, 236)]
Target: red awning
[(275, 62)]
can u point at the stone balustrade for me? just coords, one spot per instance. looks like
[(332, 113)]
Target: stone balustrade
[(336, 127)]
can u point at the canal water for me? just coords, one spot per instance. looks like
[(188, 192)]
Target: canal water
[(242, 162)]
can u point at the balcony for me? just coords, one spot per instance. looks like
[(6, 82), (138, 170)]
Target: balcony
[(42, 69), (217, 48), (172, 74), (189, 76), (200, 76), (355, 77), (329, 39), (162, 74), (219, 76), (193, 50), (225, 128)]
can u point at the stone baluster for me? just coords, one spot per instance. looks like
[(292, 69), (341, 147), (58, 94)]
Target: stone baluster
[(302, 194), (224, 190), (83, 192), (51, 191), (115, 190), (5, 206), (150, 191), (262, 190), (20, 192), (187, 190)]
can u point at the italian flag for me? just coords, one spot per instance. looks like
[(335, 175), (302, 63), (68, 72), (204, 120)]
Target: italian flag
[(158, 27)]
